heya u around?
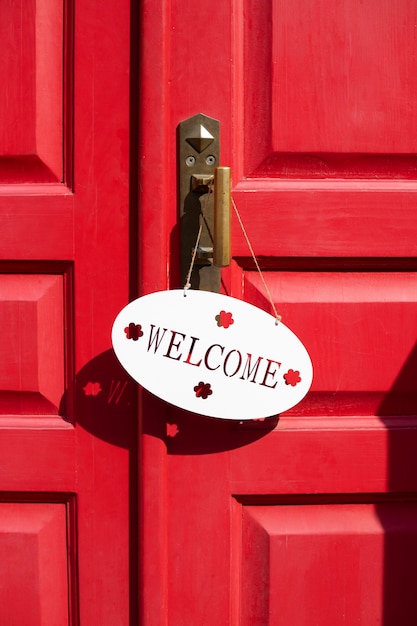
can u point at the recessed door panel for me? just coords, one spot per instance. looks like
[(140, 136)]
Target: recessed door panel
[(32, 345), (359, 329), (32, 102), (34, 587), (293, 556)]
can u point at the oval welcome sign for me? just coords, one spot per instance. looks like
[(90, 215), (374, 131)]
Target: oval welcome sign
[(212, 354)]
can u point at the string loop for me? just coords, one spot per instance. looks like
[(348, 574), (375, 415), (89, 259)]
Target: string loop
[(245, 234), (187, 284)]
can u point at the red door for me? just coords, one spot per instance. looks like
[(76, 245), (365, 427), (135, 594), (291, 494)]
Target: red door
[(67, 424), (309, 517)]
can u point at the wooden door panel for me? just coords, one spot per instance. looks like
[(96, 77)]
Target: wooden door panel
[(313, 551), (349, 456), (189, 600), (32, 342), (363, 322), (34, 586), (320, 81), (40, 222), (32, 105), (317, 123), (350, 64), (327, 218), (67, 421)]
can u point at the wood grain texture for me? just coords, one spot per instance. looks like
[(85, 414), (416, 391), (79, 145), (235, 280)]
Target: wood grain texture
[(315, 102), (64, 272)]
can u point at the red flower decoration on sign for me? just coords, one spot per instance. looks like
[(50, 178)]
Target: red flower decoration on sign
[(292, 377), (134, 331), (224, 319), (203, 390)]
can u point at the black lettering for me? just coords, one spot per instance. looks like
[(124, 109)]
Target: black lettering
[(174, 345), (206, 356), (227, 360), (268, 372), (188, 359), (251, 370), (154, 338)]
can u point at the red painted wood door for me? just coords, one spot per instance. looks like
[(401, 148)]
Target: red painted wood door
[(67, 419), (310, 517)]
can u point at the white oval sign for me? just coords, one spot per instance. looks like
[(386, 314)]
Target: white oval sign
[(212, 354)]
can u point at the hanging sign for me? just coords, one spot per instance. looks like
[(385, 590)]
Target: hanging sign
[(212, 354)]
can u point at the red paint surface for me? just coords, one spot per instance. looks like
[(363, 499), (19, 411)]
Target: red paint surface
[(67, 417), (34, 587), (289, 521)]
